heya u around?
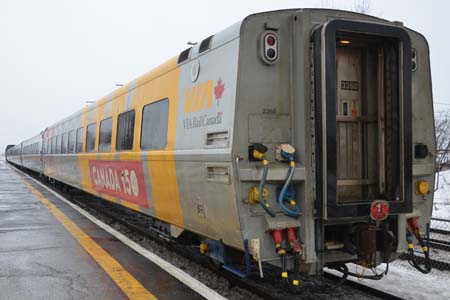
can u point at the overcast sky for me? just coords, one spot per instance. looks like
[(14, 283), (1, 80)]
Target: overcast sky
[(57, 54)]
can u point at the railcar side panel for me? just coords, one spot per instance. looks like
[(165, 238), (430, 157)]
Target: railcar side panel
[(204, 141)]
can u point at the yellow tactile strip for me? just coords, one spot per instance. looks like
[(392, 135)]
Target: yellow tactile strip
[(126, 282)]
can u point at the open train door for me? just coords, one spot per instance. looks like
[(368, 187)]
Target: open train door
[(362, 95)]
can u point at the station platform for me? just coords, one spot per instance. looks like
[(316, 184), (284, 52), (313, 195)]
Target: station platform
[(48, 250)]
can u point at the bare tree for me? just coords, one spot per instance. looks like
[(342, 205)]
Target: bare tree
[(362, 6), (442, 123)]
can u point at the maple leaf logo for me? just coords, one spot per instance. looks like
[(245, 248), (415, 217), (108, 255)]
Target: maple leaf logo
[(218, 90)]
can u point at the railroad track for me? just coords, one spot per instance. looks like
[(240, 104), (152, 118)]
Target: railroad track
[(435, 264), (439, 230), (364, 288), (439, 244), (324, 287)]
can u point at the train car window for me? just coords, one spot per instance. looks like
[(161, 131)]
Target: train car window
[(125, 131), (58, 144), (53, 150), (80, 136), (71, 146), (90, 137), (154, 125), (65, 140), (104, 143)]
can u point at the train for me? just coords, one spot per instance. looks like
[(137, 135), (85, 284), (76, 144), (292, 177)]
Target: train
[(300, 138)]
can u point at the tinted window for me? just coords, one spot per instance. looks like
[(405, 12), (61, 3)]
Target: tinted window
[(71, 146), (154, 125), (125, 131), (90, 137), (104, 143), (65, 139), (58, 144), (80, 137)]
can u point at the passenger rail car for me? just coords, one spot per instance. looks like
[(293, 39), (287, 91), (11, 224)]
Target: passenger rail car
[(296, 137)]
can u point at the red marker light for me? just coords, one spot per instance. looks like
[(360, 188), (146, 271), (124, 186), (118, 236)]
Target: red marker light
[(379, 210), (270, 40)]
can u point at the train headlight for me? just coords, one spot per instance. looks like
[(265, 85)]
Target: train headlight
[(422, 187)]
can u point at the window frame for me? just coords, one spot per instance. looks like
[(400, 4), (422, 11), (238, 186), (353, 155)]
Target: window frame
[(100, 135), (74, 132), (58, 148), (65, 144), (53, 145), (82, 140), (87, 136), (118, 149), (167, 124)]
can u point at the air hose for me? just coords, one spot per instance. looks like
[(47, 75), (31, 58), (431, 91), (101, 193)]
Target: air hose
[(412, 258), (295, 210), (265, 205)]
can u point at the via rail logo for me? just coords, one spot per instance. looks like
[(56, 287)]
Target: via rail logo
[(200, 96), (198, 104), (122, 179)]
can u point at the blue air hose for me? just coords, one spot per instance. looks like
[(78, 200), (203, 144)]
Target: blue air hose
[(263, 201), (295, 211)]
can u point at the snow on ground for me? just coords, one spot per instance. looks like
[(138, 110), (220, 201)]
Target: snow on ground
[(441, 203), (406, 282)]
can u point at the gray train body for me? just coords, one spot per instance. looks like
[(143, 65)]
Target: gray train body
[(350, 92)]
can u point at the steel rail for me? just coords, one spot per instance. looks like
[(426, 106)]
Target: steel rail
[(364, 288)]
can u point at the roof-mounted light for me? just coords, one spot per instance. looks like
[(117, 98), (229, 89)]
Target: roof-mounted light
[(344, 42)]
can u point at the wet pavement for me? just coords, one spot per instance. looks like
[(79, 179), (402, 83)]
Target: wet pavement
[(41, 259)]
